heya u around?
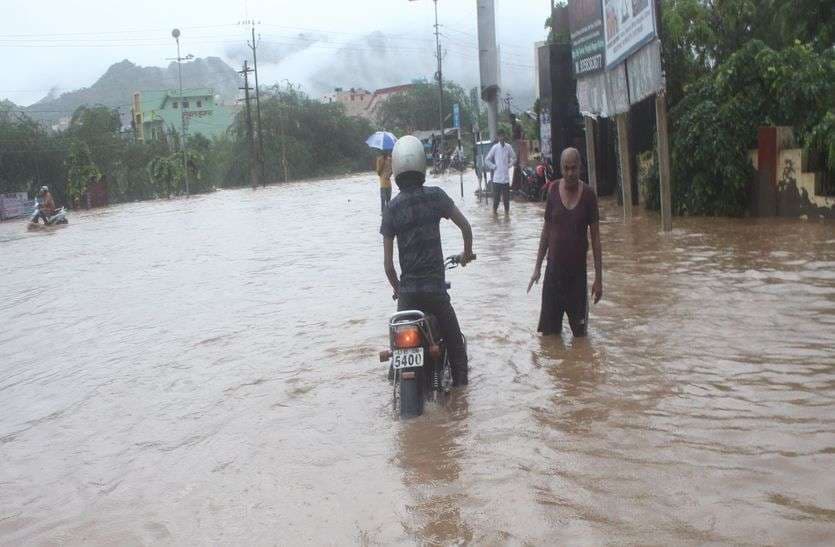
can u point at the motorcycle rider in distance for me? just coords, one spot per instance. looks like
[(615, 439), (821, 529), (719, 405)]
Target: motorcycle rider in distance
[(46, 206), (413, 217)]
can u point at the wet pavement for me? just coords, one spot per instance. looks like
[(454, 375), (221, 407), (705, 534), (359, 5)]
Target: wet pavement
[(204, 371)]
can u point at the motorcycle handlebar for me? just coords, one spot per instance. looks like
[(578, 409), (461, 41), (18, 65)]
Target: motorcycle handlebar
[(451, 262), (455, 260)]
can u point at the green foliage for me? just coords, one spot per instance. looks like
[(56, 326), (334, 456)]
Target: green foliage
[(29, 157), (735, 65), (166, 173), (417, 108), (716, 122), (310, 137), (821, 140), (315, 138), (81, 171)]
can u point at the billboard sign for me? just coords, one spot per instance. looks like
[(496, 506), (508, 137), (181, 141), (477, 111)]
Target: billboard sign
[(604, 94), (645, 75), (585, 22), (628, 25)]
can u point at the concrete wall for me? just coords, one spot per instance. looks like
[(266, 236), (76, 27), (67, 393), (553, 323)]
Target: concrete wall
[(783, 186)]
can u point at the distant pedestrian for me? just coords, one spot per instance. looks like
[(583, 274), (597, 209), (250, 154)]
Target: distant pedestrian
[(570, 217), (500, 159), (384, 172)]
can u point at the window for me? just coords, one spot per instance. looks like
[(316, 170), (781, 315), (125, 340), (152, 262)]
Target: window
[(199, 104), (176, 104), (185, 104)]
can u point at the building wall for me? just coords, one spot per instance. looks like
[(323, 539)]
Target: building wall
[(161, 111), (355, 100), (361, 102), (784, 186)]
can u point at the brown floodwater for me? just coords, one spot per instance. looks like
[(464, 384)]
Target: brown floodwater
[(205, 370)]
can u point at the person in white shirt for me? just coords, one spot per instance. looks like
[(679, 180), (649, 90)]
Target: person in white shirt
[(500, 159)]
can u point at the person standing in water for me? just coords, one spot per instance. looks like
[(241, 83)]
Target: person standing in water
[(571, 215), (384, 172)]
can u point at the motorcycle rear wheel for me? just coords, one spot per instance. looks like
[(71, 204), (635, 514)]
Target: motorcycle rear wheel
[(411, 398)]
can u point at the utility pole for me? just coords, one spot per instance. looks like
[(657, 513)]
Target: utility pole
[(282, 126), (253, 46), (253, 175), (440, 78), (176, 34), (488, 62)]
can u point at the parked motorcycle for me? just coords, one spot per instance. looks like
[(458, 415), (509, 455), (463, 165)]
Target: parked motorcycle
[(530, 185), (419, 366)]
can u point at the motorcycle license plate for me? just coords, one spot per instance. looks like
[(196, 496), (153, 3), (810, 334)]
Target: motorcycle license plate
[(407, 358)]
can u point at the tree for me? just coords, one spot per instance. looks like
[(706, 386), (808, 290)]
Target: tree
[(417, 108), (314, 138), (166, 174), (81, 171), (715, 124), (29, 157)]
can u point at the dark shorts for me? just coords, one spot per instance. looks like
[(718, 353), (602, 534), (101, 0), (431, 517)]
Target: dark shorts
[(385, 197), (564, 294)]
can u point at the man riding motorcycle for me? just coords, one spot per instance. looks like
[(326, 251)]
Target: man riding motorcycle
[(413, 217), (46, 206)]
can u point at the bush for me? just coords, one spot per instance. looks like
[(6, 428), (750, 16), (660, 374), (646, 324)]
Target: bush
[(716, 122)]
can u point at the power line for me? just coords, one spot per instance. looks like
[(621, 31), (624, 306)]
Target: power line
[(98, 33)]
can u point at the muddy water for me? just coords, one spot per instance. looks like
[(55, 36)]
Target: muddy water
[(204, 371)]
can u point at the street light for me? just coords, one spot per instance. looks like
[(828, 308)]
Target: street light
[(176, 34)]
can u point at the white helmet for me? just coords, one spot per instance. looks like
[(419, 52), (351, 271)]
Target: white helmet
[(408, 155)]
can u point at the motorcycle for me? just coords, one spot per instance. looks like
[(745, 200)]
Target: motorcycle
[(457, 163), (57, 218), (529, 185), (419, 366)]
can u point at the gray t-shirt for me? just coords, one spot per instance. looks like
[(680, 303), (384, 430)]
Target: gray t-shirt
[(414, 217)]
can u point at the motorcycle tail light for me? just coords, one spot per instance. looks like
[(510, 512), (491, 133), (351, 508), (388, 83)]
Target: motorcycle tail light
[(407, 337)]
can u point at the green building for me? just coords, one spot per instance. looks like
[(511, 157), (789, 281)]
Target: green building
[(157, 113)]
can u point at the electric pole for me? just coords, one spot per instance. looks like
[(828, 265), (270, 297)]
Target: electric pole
[(253, 46), (176, 34), (253, 175), (440, 78)]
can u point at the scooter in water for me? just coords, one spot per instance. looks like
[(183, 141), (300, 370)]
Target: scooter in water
[(419, 366), (57, 218)]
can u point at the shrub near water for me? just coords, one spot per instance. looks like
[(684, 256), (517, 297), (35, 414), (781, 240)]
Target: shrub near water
[(716, 122)]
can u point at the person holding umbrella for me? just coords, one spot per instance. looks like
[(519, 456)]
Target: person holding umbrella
[(384, 142)]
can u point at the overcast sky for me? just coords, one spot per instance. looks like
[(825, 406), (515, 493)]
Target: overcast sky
[(70, 44)]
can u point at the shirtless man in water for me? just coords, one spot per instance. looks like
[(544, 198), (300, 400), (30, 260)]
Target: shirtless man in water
[(570, 215)]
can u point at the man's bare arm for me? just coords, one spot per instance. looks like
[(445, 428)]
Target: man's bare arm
[(388, 264), (466, 231), (597, 252), (540, 255)]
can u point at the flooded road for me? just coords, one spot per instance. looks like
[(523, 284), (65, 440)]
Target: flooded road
[(205, 371)]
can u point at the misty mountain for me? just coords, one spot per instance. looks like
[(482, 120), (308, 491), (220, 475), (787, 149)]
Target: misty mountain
[(272, 52), (116, 86), (7, 105), (372, 61)]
